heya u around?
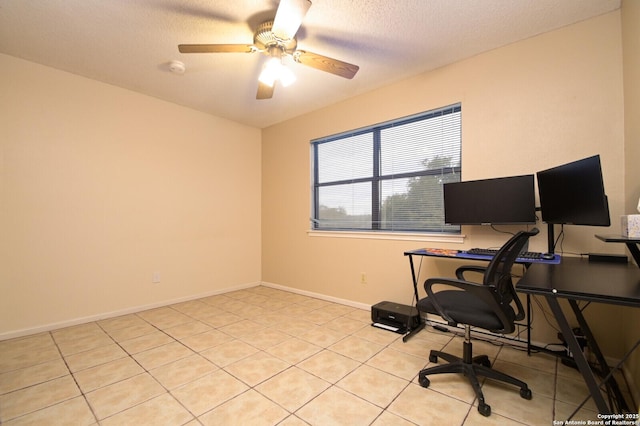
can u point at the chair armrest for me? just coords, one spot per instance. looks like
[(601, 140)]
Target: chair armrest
[(469, 268)]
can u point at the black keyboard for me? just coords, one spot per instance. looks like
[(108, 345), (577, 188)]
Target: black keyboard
[(492, 252)]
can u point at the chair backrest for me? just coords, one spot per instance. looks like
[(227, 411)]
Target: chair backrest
[(498, 273)]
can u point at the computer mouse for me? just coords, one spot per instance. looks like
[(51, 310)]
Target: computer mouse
[(548, 256)]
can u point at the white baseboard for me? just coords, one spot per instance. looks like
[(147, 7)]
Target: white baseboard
[(105, 315), (319, 296)]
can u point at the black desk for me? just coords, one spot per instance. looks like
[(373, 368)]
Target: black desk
[(576, 280), (632, 244)]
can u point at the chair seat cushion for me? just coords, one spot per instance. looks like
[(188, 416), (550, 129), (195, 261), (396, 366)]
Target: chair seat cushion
[(464, 308)]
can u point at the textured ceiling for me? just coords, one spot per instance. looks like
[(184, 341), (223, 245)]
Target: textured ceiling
[(129, 43)]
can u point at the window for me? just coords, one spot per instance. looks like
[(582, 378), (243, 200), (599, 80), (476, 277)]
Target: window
[(387, 177)]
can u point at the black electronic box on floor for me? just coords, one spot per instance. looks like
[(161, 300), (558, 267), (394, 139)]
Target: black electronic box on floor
[(394, 317)]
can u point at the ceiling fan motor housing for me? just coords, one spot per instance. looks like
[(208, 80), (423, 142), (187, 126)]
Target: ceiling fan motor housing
[(264, 39)]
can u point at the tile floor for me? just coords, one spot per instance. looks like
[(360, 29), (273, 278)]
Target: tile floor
[(262, 356)]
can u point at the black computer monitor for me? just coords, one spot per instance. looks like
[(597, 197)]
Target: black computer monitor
[(499, 201), (573, 193)]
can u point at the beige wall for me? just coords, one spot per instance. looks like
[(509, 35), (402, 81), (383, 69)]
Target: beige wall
[(100, 187), (525, 107), (631, 66)]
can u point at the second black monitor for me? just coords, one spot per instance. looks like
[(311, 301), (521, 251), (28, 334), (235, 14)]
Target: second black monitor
[(499, 201)]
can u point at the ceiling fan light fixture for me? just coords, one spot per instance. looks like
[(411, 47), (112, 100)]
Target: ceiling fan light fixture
[(274, 70)]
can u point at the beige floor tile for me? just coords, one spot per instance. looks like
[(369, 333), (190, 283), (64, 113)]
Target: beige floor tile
[(124, 321), (145, 342), (322, 336), (388, 419), (256, 368), (264, 339), (122, 395), (77, 332), (273, 319), (194, 308), (416, 347), (25, 377), (344, 323), (474, 418), (221, 319), (164, 317), (329, 365), (373, 385), (539, 361), (133, 331), (229, 352), (22, 346), (209, 391), (206, 340), (292, 420), (34, 398), (563, 411), (250, 408), (337, 407), (427, 407), (505, 400), (106, 374), (398, 363), (573, 391), (356, 348), (242, 328), (72, 412), (292, 388), (319, 316), (296, 327), (453, 385), (162, 355), (218, 300), (187, 329), (539, 382), (85, 343), (183, 371), (294, 350), (161, 410), (378, 335), (17, 358), (361, 315), (94, 357)]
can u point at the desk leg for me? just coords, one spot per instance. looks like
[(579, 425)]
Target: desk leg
[(635, 252), (612, 385), (415, 293), (578, 356)]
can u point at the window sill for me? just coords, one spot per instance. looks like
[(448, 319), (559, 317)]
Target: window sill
[(397, 236)]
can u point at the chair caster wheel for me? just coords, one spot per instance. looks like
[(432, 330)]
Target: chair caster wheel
[(433, 358), (484, 409), (525, 393), (424, 382), (485, 363)]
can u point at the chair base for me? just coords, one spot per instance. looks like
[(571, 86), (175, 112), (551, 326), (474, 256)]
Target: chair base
[(472, 368)]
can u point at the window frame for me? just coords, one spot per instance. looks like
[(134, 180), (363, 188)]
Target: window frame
[(376, 179)]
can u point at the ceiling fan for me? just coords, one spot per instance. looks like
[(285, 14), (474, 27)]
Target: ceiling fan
[(277, 39)]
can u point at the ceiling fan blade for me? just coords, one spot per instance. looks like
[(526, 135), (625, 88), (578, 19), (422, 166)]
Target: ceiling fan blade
[(289, 18), (265, 91), (216, 48), (324, 63)]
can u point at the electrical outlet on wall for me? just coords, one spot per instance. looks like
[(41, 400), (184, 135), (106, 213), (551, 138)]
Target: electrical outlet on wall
[(155, 277), (363, 278)]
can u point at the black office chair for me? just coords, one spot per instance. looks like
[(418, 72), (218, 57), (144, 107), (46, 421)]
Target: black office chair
[(487, 305)]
